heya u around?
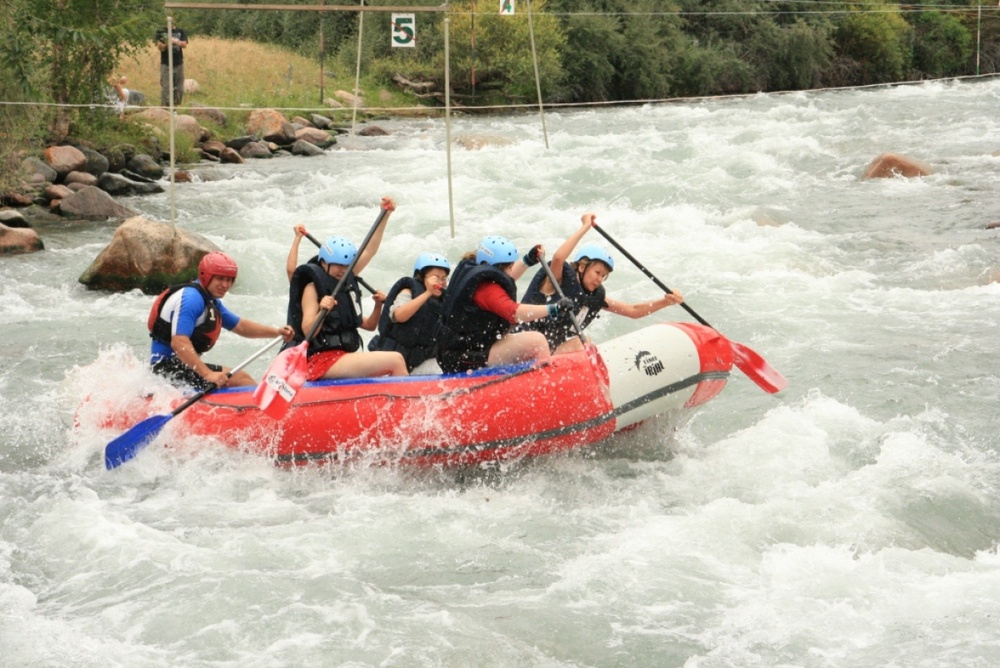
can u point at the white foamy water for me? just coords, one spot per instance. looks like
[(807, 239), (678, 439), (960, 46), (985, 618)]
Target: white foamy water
[(848, 521)]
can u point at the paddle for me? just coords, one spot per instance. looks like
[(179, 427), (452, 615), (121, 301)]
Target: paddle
[(125, 447), (748, 361), (288, 371), (562, 295)]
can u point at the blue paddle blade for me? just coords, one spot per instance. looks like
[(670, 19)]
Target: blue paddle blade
[(128, 444)]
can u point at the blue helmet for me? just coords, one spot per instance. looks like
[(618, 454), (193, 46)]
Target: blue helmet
[(425, 260), (337, 250), (496, 250), (594, 252)]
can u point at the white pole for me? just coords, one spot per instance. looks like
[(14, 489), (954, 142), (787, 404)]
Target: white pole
[(173, 120), (357, 70), (447, 119), (979, 25), (538, 82)]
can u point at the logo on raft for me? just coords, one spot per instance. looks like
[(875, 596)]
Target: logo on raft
[(648, 363)]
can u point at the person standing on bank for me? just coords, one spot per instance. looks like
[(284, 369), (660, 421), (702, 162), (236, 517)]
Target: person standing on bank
[(333, 351), (481, 306), (413, 307), (186, 320), (177, 42), (582, 281)]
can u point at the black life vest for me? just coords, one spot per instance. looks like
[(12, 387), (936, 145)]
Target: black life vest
[(463, 325), (205, 334), (559, 330), (339, 330), (414, 339)]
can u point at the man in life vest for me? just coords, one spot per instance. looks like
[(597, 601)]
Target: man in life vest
[(186, 320), (481, 306), (582, 281), (412, 309)]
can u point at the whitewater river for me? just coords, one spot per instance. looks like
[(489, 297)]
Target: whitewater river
[(851, 520)]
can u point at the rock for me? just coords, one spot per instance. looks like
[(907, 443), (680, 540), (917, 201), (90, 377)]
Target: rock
[(147, 255), (203, 113), (213, 147), (270, 125), (230, 156), (65, 159), (474, 142), (97, 164), (372, 131), (145, 166), (56, 191), (320, 121), (122, 186), (888, 165), (349, 99), (31, 166), (191, 86), (333, 104), (81, 178), (315, 136), (302, 147), (255, 149), (13, 219), (302, 122), (20, 240), (91, 203), (993, 225), (239, 142), (183, 123), (16, 199)]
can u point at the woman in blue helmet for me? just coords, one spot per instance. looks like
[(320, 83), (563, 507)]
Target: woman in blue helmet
[(411, 311), (582, 281), (481, 307), (333, 350)]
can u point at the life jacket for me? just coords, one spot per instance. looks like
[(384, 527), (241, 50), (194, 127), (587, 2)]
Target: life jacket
[(339, 330), (205, 334), (463, 325), (558, 330), (414, 339)]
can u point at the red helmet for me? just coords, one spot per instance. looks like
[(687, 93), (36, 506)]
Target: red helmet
[(216, 263)]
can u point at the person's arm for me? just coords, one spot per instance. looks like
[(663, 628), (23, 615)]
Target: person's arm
[(255, 330), (370, 323), (311, 306), (642, 309), (117, 84), (293, 253), (366, 256), (530, 259), (184, 350), (562, 253), (491, 297)]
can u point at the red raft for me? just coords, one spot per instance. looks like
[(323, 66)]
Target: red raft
[(497, 414)]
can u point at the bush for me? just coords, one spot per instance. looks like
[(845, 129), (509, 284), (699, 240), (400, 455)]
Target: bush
[(942, 46), (879, 43)]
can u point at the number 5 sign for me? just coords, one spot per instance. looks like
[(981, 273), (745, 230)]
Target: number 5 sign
[(404, 30)]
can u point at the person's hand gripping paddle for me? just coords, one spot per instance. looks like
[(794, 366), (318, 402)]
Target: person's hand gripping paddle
[(287, 373)]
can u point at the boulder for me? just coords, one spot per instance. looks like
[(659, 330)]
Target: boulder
[(191, 86), (372, 131), (147, 255), (315, 136), (230, 156), (270, 125), (97, 164), (12, 218), (888, 165), (32, 166), (19, 240), (474, 142), (145, 166), (349, 99), (90, 203), (56, 191), (319, 121), (302, 147), (119, 185), (255, 149), (203, 113), (81, 178), (64, 159)]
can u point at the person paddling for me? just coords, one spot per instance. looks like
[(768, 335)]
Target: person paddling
[(481, 306), (412, 308), (582, 281), (186, 320), (333, 350)]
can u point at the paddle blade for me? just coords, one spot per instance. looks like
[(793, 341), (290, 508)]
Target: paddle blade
[(125, 447), (281, 381), (757, 369)]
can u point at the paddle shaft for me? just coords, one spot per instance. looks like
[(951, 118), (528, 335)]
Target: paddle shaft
[(365, 284), (648, 273), (383, 212), (562, 295), (238, 367)]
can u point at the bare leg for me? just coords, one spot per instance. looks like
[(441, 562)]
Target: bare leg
[(368, 365), (518, 347), (570, 346)]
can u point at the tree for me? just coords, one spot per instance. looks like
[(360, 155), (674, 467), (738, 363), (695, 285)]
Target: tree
[(878, 41), (942, 46)]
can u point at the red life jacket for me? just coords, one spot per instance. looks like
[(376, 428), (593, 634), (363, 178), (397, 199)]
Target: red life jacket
[(204, 336)]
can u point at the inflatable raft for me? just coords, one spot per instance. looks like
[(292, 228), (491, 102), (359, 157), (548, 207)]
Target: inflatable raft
[(496, 414)]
